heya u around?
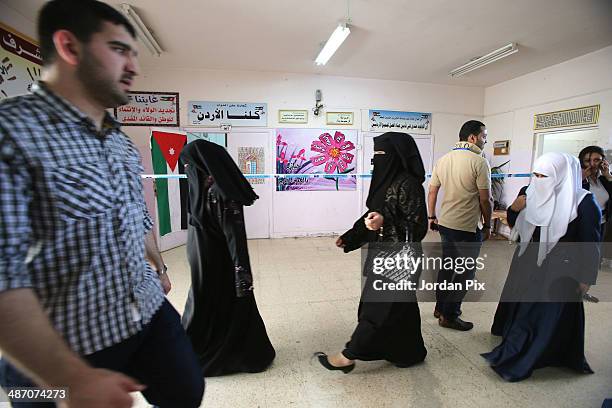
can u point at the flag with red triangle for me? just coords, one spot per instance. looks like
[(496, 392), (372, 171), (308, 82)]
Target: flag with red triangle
[(171, 193)]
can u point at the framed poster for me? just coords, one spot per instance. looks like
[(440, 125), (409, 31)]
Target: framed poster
[(316, 160), (203, 113), (411, 122), (251, 160), (149, 109), (20, 62)]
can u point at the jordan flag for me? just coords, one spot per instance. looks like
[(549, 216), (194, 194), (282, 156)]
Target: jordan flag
[(171, 193)]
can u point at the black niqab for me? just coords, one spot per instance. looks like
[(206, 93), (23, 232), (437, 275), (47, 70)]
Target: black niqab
[(401, 157), (214, 160)]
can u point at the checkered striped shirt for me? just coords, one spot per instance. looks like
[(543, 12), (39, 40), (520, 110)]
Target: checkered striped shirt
[(73, 220)]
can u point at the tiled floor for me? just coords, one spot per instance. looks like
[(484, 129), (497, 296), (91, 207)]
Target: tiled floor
[(308, 291)]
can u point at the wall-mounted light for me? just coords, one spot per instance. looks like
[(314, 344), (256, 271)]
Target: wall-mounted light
[(485, 60)]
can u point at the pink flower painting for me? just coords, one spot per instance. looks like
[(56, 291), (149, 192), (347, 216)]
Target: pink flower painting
[(334, 152), (330, 166)]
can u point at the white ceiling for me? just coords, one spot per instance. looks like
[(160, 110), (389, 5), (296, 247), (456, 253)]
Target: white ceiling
[(418, 41)]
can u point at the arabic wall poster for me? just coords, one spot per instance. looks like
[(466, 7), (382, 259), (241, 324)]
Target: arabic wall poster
[(149, 109), (251, 160), (203, 113), (330, 154), (20, 62), (418, 123)]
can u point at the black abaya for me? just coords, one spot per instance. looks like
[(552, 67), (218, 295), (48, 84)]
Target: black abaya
[(221, 316), (391, 330)]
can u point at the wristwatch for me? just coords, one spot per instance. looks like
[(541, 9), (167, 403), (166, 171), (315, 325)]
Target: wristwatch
[(164, 271), (487, 226), (433, 217)]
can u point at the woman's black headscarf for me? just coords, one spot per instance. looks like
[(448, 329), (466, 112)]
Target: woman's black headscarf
[(214, 160), (401, 157)]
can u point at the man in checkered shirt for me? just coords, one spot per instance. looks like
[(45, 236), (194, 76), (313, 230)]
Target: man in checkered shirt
[(78, 301)]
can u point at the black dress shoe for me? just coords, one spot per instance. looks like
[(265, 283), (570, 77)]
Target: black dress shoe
[(322, 357), (456, 324), (437, 313)]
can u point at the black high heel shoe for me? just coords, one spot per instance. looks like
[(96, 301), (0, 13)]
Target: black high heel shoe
[(322, 357)]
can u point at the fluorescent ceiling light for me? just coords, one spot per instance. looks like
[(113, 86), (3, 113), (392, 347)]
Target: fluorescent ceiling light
[(142, 30), (485, 60), (334, 42)]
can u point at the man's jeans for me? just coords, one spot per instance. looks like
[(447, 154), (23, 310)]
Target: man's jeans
[(456, 244)]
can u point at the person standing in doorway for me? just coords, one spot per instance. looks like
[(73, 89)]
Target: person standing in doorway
[(597, 179)]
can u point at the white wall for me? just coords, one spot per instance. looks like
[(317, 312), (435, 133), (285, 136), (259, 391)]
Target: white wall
[(510, 106), (313, 213)]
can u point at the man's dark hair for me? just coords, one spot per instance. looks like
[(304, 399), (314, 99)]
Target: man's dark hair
[(471, 127), (81, 17), (590, 150)]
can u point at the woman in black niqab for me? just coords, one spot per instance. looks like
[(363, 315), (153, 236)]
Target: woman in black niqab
[(221, 316), (396, 213)]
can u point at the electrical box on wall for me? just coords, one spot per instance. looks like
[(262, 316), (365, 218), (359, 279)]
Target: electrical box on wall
[(501, 147)]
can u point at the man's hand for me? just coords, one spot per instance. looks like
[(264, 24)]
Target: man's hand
[(374, 221), (340, 243), (98, 388), (583, 288), (433, 224), (165, 282)]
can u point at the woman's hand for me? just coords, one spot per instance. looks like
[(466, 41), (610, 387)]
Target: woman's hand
[(374, 221), (340, 243), (605, 169), (586, 173)]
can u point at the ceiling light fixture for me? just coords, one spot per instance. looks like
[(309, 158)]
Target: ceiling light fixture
[(485, 60), (142, 30), (335, 41)]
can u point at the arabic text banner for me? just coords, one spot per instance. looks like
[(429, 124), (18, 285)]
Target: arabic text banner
[(203, 113), (417, 123), (20, 62), (150, 109), (325, 152)]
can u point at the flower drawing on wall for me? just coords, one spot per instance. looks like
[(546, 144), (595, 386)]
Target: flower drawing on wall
[(334, 152), (328, 166)]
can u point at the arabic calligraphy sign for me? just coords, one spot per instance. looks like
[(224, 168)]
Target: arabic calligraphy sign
[(339, 118), (411, 122), (20, 62), (150, 109), (202, 113)]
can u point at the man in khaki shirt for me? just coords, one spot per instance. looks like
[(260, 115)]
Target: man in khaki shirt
[(465, 176)]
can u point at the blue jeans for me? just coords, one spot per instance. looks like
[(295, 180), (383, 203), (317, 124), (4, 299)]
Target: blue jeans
[(159, 356), (456, 244)]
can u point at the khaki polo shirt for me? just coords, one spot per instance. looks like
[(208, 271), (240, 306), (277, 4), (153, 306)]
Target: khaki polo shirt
[(461, 173)]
